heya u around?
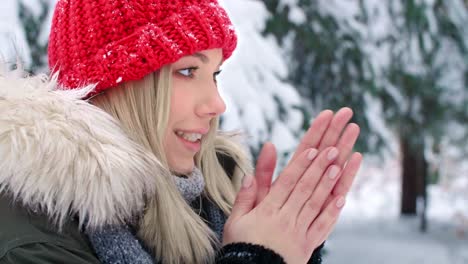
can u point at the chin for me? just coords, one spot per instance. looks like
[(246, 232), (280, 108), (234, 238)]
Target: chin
[(183, 169)]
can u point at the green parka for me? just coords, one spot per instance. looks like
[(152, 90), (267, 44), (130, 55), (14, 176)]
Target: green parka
[(28, 237)]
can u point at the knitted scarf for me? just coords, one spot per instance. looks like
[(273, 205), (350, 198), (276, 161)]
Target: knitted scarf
[(119, 244)]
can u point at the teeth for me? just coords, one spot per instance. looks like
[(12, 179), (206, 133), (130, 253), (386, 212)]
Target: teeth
[(189, 136)]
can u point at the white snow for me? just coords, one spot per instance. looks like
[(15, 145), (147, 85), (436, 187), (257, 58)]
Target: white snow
[(397, 240), (371, 231)]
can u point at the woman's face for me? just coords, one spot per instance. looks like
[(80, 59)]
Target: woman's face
[(195, 101)]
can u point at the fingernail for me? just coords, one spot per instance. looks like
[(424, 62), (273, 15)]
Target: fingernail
[(332, 154), (247, 181), (312, 154), (340, 203), (333, 172)]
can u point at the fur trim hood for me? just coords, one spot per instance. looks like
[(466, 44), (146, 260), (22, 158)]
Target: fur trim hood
[(64, 156)]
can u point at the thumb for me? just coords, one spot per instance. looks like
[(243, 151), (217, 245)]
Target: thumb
[(245, 199), (264, 170)]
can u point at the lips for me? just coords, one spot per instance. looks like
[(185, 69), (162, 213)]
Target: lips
[(191, 138), (189, 144)]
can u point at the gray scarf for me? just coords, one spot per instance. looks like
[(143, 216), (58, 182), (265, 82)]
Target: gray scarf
[(119, 245)]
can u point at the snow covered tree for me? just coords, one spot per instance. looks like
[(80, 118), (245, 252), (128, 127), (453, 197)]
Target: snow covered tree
[(322, 43), (409, 56), (34, 19), (425, 85)]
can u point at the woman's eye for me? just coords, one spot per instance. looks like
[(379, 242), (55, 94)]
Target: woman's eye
[(188, 72)]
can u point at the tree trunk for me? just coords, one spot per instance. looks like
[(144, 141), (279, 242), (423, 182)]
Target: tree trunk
[(414, 169), (423, 195)]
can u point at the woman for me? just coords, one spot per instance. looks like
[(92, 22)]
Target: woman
[(138, 172)]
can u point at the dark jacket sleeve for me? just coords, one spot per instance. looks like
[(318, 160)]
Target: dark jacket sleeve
[(243, 253), (316, 257), (246, 253), (46, 253)]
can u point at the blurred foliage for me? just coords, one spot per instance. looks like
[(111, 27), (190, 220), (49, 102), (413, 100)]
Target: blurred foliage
[(431, 101), (330, 66), (33, 25), (326, 63), (421, 83)]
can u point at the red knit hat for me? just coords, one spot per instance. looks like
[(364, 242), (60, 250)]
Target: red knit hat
[(112, 41)]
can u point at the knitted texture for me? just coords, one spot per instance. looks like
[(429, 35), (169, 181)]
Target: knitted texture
[(191, 186), (212, 213), (217, 219), (108, 42), (119, 245)]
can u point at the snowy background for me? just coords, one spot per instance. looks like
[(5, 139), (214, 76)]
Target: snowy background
[(261, 102)]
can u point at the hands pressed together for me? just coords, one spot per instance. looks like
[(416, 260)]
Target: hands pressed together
[(296, 213)]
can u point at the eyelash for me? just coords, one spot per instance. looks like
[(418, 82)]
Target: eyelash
[(191, 70), (190, 73), (215, 74)]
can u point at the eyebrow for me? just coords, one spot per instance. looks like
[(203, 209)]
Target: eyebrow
[(204, 58)]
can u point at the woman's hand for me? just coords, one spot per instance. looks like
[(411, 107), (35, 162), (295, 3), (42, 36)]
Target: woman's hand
[(323, 202), (328, 129), (290, 219)]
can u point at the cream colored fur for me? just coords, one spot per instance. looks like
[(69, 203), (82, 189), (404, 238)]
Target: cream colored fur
[(67, 157)]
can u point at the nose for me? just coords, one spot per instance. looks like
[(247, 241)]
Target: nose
[(212, 104)]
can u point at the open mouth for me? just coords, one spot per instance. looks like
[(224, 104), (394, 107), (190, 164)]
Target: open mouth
[(191, 137)]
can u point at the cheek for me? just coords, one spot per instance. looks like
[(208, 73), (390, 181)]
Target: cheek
[(169, 146), (182, 113), (176, 111), (181, 101), (179, 116)]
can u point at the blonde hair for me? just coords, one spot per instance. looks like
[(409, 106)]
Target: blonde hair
[(170, 227)]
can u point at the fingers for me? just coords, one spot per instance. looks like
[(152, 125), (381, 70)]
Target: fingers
[(315, 132), (264, 170), (307, 185), (325, 222), (347, 177), (325, 131), (313, 206), (337, 125), (245, 199), (282, 187), (346, 143)]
